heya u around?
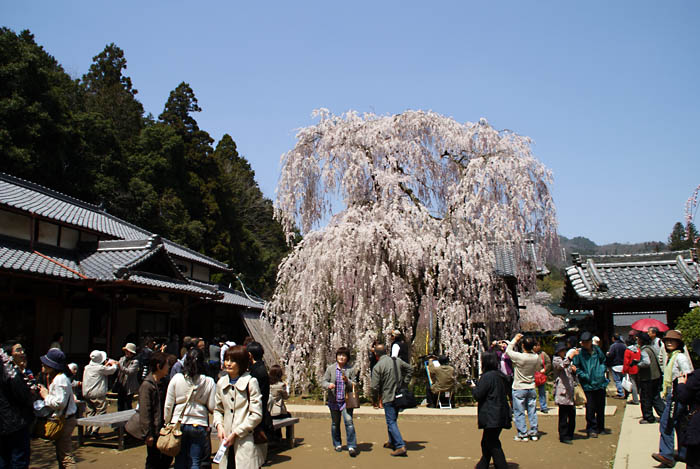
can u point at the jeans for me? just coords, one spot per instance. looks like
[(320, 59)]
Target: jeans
[(617, 377), (349, 428), (525, 399), (542, 392), (14, 449), (650, 399), (595, 411), (667, 439), (192, 447), (391, 414), (491, 448), (567, 422)]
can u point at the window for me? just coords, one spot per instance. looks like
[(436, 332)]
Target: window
[(69, 238), (48, 233), (199, 272), (15, 225)]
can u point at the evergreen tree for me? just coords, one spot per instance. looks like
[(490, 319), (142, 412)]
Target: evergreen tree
[(679, 238)]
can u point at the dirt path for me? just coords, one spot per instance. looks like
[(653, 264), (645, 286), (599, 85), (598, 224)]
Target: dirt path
[(432, 444)]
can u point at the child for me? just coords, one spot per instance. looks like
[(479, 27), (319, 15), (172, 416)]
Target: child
[(564, 382), (494, 412)]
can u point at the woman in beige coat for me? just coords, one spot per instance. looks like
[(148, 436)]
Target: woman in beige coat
[(238, 411)]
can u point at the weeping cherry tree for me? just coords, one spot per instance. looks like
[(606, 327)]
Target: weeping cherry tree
[(398, 216)]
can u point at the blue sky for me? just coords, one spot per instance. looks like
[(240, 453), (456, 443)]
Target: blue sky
[(609, 91)]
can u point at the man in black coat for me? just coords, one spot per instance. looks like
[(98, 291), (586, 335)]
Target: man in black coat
[(688, 393), (258, 371), (615, 359), (16, 414)]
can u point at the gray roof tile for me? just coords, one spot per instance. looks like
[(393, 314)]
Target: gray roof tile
[(15, 256), (672, 279), (30, 197)]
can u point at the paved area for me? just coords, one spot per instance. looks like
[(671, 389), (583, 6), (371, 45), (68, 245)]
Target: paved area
[(436, 438), (637, 442), (321, 411)]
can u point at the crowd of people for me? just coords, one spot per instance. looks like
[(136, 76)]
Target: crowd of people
[(223, 388), (227, 389)]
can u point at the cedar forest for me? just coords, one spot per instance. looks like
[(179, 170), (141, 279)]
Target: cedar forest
[(90, 138)]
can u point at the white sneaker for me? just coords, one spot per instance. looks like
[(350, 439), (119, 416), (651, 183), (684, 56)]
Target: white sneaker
[(534, 437), (520, 438)]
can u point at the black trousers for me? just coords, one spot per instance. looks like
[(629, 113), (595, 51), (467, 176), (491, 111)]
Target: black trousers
[(155, 459), (595, 410), (567, 422), (650, 399), (491, 448), (124, 400), (692, 457)]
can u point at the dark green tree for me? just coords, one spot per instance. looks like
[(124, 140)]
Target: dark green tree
[(40, 138), (679, 239)]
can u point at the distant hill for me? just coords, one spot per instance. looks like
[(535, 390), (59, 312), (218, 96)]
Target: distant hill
[(583, 245)]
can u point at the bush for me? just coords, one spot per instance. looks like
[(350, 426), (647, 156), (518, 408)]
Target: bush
[(689, 325)]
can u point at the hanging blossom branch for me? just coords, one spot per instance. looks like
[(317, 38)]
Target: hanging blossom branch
[(691, 207), (414, 203)]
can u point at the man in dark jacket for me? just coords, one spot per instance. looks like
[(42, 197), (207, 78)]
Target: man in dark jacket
[(387, 377), (615, 359), (649, 380), (258, 371), (150, 413), (688, 393), (15, 415), (590, 370)]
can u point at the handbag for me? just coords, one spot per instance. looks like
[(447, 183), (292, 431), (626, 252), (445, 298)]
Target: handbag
[(259, 435), (170, 436), (49, 428), (351, 399), (403, 398), (540, 378), (627, 383)]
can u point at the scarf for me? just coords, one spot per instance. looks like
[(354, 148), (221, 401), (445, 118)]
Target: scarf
[(668, 372)]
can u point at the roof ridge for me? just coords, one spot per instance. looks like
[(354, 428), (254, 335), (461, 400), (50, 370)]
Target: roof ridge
[(54, 193), (185, 248)]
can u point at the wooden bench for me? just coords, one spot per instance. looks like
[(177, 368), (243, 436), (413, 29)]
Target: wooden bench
[(289, 424), (113, 420)]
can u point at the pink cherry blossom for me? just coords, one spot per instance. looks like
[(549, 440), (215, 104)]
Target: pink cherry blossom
[(398, 215)]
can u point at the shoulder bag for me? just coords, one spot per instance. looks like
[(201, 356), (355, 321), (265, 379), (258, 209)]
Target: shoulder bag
[(170, 436), (351, 399), (540, 378), (403, 398), (49, 428)]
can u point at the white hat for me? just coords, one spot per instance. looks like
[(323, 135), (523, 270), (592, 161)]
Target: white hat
[(98, 356), (131, 347)]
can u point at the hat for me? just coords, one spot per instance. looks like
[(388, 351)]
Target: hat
[(55, 359), (559, 347), (98, 356), (130, 347), (673, 334), (586, 336)]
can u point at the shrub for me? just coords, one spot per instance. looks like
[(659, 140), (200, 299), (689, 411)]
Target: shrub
[(689, 325)]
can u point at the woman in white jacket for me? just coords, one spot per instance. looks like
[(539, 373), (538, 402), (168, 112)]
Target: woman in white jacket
[(238, 411), (59, 397), (194, 447)]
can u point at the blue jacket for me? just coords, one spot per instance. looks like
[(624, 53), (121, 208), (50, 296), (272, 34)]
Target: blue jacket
[(590, 369)]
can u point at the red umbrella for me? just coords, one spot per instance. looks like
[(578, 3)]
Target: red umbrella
[(646, 323)]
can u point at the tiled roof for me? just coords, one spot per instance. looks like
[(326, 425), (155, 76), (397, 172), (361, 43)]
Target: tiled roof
[(263, 333), (505, 258), (30, 197), (237, 298), (662, 279), (44, 202), (186, 253), (19, 257), (169, 283)]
